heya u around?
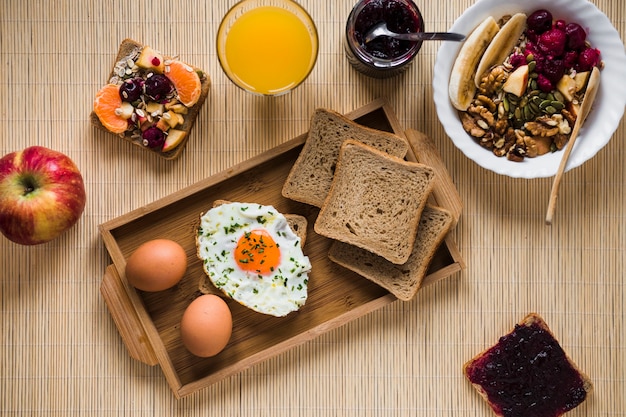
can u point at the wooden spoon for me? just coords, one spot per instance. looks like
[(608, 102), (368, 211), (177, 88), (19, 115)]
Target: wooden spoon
[(585, 107)]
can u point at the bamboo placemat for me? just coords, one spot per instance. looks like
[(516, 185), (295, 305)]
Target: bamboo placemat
[(61, 354)]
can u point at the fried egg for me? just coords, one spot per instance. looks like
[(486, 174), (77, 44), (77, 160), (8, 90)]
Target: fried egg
[(250, 253)]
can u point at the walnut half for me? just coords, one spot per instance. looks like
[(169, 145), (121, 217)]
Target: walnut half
[(470, 125)]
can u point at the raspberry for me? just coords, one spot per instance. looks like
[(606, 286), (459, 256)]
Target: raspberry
[(571, 59), (553, 69), (553, 42), (588, 59), (560, 25), (544, 84), (517, 60), (531, 48)]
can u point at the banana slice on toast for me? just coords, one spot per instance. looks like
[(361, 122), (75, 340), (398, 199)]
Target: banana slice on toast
[(462, 86)]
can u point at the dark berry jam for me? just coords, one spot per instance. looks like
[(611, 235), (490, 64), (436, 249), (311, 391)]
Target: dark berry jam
[(528, 374), (398, 17), (383, 57)]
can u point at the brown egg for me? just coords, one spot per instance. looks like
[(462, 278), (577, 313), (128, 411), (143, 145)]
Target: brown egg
[(156, 265), (206, 326)]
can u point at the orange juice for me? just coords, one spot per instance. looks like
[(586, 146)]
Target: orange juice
[(269, 50)]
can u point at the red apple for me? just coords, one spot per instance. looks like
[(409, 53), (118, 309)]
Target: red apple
[(42, 194)]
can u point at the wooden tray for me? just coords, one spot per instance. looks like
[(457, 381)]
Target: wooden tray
[(149, 322)]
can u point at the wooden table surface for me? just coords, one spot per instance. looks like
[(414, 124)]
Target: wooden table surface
[(60, 351)]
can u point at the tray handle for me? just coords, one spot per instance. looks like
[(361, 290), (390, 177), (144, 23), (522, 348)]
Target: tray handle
[(125, 318), (444, 191)]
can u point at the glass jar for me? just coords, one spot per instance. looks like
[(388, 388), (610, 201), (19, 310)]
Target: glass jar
[(383, 57)]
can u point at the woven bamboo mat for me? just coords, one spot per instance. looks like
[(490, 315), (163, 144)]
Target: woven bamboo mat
[(60, 352)]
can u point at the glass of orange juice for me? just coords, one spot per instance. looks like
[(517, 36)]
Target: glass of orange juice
[(267, 47)]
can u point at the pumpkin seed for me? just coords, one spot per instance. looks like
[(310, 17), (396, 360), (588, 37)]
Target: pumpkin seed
[(558, 105), (534, 107), (545, 103), (558, 96), (528, 114)]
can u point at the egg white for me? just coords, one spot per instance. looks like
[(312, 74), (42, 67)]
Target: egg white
[(282, 291)]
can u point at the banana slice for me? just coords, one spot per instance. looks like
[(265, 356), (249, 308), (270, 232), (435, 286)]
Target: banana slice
[(462, 87), (501, 45)]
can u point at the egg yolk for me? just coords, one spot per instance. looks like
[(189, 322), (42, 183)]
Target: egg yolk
[(257, 252)]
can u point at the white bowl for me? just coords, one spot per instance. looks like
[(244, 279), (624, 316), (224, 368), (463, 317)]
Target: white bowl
[(605, 115)]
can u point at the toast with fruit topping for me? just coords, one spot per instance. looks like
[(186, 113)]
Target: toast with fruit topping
[(150, 99), (528, 373)]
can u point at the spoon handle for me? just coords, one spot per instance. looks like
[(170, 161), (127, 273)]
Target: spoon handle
[(590, 94), (430, 36)]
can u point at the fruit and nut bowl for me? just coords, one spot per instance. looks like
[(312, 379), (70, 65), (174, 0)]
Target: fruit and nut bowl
[(509, 96)]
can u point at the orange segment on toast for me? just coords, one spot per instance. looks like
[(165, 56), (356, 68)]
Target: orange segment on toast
[(106, 105), (185, 80)]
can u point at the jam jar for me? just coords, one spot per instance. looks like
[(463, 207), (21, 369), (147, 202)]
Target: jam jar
[(382, 57)]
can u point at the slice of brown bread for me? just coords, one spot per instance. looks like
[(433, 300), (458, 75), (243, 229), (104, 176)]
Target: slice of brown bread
[(131, 48), (375, 201), (528, 371), (311, 175), (296, 222), (404, 280)]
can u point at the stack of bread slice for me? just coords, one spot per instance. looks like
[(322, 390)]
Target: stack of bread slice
[(373, 203)]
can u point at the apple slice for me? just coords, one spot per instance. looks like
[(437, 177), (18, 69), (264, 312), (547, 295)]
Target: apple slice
[(174, 138), (567, 87), (171, 118), (581, 79), (154, 108), (125, 110), (517, 81), (163, 124), (151, 59), (178, 108)]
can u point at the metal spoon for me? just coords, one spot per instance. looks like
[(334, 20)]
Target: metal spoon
[(585, 107), (381, 30)]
